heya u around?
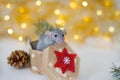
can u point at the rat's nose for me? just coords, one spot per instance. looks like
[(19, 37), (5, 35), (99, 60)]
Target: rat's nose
[(60, 41)]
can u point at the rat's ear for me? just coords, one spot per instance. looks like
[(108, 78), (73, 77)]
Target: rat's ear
[(48, 33), (65, 32)]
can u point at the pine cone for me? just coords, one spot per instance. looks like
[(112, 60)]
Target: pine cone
[(18, 59)]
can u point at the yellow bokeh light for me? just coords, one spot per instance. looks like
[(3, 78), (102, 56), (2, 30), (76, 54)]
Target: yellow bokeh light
[(60, 22), (86, 19), (62, 28), (10, 31), (107, 3), (21, 10), (8, 5), (20, 38), (6, 17), (85, 3), (38, 2), (23, 25), (76, 37), (117, 13), (96, 29), (99, 12), (57, 12), (107, 38), (111, 29), (73, 5)]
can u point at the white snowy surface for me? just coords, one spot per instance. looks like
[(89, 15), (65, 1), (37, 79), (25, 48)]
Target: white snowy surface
[(96, 56)]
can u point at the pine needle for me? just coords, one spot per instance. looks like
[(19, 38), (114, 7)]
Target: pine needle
[(115, 72), (42, 26)]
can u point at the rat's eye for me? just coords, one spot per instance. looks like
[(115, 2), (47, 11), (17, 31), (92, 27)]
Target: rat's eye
[(63, 35), (55, 35)]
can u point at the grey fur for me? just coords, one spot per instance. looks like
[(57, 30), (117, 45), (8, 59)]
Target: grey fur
[(50, 38)]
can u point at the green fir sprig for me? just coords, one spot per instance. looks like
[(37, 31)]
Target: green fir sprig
[(42, 26), (115, 72)]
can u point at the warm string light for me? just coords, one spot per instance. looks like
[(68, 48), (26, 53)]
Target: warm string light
[(21, 10), (86, 19), (60, 22), (99, 12), (10, 31), (57, 12), (76, 37), (8, 5), (85, 3), (38, 3), (73, 5), (6, 17), (24, 25), (96, 29), (20, 38), (107, 38), (62, 28), (117, 13), (107, 3), (111, 29)]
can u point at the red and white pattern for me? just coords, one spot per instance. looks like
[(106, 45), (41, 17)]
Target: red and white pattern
[(65, 61)]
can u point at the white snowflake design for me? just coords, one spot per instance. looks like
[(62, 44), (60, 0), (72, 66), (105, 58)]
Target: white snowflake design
[(66, 60)]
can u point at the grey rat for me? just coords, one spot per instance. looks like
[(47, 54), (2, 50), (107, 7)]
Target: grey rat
[(50, 38)]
